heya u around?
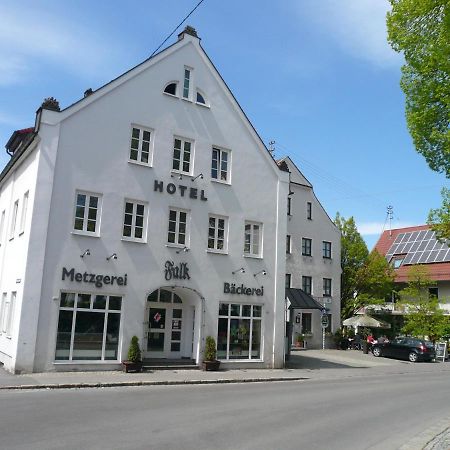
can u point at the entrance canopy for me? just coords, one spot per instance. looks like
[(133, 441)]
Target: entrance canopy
[(301, 300)]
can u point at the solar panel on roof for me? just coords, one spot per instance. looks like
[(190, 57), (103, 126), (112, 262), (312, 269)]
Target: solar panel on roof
[(429, 234), (408, 258), (423, 258), (414, 235), (399, 238), (421, 235)]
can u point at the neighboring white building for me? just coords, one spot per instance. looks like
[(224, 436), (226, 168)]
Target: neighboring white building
[(313, 261), (150, 207)]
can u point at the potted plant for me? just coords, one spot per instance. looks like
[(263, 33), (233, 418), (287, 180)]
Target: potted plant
[(299, 341), (134, 359), (209, 356)]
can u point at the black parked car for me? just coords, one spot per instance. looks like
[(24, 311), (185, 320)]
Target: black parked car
[(409, 348)]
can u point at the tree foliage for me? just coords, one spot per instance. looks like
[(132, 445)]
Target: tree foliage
[(439, 219), (366, 279), (423, 316), (421, 30), (353, 256)]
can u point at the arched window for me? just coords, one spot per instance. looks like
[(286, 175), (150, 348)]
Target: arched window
[(164, 296), (171, 89), (201, 99)]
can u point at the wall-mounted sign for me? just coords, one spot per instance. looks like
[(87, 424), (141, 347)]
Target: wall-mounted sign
[(176, 272), (182, 190), (97, 280), (230, 288)]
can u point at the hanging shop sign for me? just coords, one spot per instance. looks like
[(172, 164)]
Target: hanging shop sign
[(97, 279), (231, 288), (174, 271), (183, 191)]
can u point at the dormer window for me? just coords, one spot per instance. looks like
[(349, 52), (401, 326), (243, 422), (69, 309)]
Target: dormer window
[(171, 89)]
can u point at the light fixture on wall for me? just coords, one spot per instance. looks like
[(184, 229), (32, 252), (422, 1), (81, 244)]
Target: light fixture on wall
[(113, 256), (291, 192), (184, 249), (261, 272), (87, 252), (200, 175), (179, 176), (241, 270)]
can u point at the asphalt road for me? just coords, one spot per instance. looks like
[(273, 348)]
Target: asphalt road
[(362, 411)]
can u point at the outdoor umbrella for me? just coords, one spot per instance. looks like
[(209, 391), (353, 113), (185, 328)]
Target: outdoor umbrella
[(365, 321)]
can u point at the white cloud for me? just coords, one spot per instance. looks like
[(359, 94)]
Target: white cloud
[(357, 26), (376, 228), (30, 38)]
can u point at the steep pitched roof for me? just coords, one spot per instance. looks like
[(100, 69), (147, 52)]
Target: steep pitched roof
[(438, 271)]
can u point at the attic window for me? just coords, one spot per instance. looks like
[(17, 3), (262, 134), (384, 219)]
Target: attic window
[(171, 89), (201, 99), (397, 261)]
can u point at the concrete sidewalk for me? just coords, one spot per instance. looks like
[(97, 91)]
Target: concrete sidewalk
[(301, 366)]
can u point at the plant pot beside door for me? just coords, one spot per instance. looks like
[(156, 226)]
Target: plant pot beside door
[(134, 361), (209, 356)]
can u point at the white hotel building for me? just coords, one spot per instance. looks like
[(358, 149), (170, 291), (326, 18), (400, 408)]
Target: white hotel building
[(150, 207)]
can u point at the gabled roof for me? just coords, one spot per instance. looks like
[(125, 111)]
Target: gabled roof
[(296, 176), (187, 37), (408, 244)]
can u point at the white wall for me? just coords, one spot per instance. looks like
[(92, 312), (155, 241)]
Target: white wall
[(93, 150), (320, 228)]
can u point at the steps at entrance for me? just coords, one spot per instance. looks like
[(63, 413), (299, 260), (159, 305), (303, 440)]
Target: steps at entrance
[(169, 364)]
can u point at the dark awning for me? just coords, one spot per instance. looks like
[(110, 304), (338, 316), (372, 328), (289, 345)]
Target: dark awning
[(301, 300)]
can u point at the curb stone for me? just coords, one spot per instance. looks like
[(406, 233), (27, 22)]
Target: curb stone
[(437, 437), (145, 383)]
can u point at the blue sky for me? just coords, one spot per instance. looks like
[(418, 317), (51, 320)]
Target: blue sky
[(317, 77)]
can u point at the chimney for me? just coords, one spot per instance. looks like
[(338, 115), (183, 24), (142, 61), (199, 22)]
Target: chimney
[(188, 30)]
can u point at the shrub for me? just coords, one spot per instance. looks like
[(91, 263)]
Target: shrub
[(134, 352), (210, 349)]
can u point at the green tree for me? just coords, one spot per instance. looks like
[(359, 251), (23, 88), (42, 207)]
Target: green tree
[(439, 219), (421, 30), (423, 317), (354, 254)]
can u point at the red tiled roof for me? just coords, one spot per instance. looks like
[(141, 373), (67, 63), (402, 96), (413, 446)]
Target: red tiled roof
[(437, 271)]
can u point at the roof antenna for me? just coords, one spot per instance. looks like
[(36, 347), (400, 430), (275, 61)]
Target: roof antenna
[(272, 147), (390, 216)]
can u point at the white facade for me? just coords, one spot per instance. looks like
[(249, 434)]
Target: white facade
[(97, 207), (313, 261)]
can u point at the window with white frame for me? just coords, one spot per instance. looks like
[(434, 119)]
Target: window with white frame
[(239, 331), (327, 249), (220, 165), (23, 217), (3, 313), (253, 239), (307, 284), (201, 99), (88, 327), (134, 221), (171, 88), (2, 226), (12, 228), (306, 247), (9, 312), (178, 223), (87, 213), (140, 147), (182, 154), (187, 83), (327, 287), (217, 233)]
